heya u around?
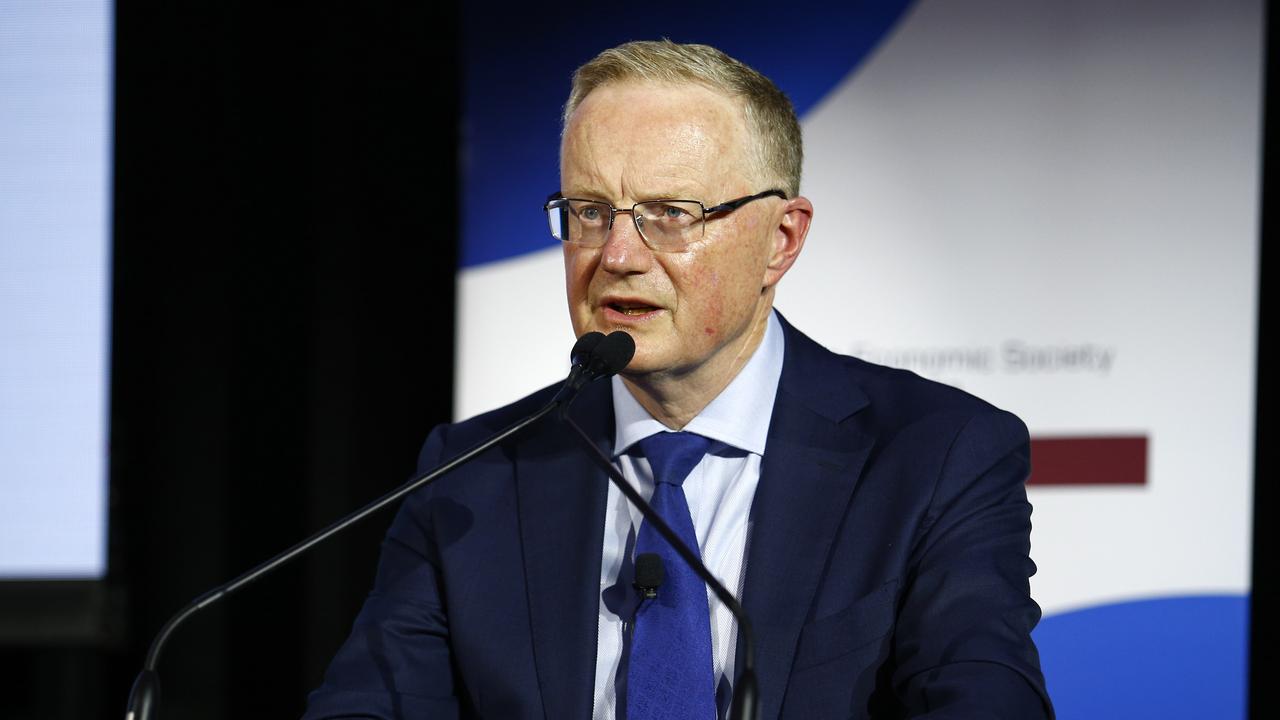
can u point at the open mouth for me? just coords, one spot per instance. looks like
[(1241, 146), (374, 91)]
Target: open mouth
[(634, 309)]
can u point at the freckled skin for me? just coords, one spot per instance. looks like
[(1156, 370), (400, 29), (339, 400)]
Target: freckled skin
[(631, 142)]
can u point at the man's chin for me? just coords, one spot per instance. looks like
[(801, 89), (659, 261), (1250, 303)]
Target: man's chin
[(648, 365), (641, 366)]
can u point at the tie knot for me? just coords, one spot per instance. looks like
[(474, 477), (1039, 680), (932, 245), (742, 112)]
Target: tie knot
[(673, 455)]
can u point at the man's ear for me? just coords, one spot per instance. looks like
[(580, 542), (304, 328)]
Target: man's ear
[(788, 238)]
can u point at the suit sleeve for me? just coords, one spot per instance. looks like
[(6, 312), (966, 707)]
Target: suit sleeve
[(397, 662), (963, 645)]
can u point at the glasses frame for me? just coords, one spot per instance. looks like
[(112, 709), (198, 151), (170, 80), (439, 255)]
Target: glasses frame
[(557, 201)]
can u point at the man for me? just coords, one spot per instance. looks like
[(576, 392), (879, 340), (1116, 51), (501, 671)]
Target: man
[(874, 524)]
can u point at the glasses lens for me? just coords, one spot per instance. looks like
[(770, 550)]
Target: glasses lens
[(586, 223), (670, 224), (556, 213)]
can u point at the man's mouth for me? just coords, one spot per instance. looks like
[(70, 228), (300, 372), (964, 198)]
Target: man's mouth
[(630, 308)]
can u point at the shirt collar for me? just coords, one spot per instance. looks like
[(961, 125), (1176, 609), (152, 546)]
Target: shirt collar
[(739, 416)]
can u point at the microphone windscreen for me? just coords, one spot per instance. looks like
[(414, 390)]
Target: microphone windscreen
[(649, 571), (614, 352), (581, 351)]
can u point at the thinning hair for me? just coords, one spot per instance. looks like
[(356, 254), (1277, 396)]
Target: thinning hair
[(769, 115)]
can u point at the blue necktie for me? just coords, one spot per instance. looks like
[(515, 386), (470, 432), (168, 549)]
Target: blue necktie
[(670, 674)]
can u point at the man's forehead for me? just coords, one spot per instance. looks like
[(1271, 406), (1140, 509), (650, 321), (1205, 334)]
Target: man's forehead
[(673, 136), (650, 103)]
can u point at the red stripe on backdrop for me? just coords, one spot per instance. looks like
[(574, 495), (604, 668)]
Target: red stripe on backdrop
[(1116, 460)]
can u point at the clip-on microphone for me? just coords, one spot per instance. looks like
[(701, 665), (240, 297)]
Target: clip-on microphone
[(649, 575)]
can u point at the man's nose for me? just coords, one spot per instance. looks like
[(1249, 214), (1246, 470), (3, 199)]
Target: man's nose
[(624, 251)]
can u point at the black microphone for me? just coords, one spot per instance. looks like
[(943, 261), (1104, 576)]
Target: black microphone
[(649, 575), (593, 356), (613, 355), (581, 353)]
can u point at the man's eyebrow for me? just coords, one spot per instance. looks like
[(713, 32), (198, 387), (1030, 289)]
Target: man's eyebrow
[(582, 192)]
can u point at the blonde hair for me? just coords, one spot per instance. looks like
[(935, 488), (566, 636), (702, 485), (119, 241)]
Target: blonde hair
[(770, 117)]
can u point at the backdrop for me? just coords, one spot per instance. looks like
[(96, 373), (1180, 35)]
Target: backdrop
[(1051, 205), (284, 215)]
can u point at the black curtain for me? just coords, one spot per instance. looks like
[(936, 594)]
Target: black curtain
[(284, 257)]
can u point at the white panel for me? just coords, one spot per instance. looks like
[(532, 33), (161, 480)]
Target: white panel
[(1010, 174), (514, 334)]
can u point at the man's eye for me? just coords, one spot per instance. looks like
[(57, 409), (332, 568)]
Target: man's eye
[(674, 215), (589, 213)]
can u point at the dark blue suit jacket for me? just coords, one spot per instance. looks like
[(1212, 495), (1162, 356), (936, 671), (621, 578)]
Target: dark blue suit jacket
[(886, 570)]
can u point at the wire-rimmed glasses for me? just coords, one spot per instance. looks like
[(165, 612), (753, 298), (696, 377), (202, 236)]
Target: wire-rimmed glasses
[(665, 225)]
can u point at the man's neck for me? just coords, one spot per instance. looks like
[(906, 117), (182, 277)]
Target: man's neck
[(674, 399)]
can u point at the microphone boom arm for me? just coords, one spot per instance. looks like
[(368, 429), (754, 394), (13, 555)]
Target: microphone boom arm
[(144, 697)]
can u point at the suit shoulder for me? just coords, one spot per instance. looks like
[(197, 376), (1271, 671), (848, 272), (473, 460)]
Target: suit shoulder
[(836, 385), (911, 392), (904, 387)]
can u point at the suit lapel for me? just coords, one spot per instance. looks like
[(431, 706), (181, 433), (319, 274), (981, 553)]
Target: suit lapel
[(811, 465), (562, 497)]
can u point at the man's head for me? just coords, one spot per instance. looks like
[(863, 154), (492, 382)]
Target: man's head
[(658, 121)]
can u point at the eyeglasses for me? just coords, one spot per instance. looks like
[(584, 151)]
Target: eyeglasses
[(665, 225)]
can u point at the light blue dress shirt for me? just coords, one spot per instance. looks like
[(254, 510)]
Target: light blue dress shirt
[(720, 490)]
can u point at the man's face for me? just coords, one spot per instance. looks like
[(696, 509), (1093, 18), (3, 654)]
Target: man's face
[(700, 308)]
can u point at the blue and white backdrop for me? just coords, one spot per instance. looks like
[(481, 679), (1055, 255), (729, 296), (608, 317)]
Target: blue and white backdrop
[(1053, 205)]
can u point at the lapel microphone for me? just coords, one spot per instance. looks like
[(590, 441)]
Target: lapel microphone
[(593, 356), (649, 575)]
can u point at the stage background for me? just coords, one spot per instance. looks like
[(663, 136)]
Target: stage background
[(1051, 205), (286, 211)]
